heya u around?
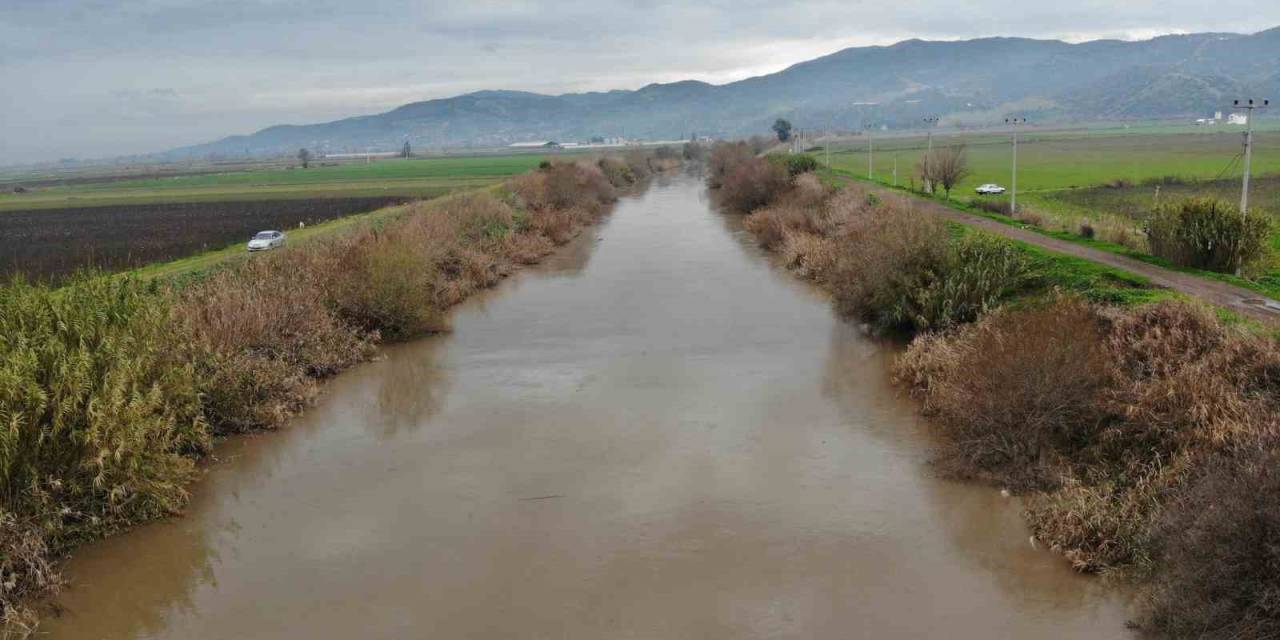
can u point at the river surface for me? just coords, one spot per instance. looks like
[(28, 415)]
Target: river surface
[(654, 435)]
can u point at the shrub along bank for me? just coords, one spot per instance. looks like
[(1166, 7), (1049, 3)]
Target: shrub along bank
[(111, 389), (1142, 431)]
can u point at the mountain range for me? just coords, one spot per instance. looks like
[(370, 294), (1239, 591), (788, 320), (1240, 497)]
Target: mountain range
[(970, 82)]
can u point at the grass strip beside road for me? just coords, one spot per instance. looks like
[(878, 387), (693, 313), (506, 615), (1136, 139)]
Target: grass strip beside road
[(1269, 286)]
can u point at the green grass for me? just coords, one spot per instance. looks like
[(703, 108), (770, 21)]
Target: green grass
[(1049, 160), (1060, 174), (1268, 285), (427, 177), (1053, 271)]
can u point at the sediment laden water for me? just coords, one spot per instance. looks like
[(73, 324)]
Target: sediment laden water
[(654, 434)]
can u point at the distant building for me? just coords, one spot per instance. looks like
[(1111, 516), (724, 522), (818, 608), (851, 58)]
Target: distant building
[(533, 145), (1237, 118), (366, 154)]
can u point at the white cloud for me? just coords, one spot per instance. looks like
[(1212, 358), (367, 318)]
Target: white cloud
[(100, 77)]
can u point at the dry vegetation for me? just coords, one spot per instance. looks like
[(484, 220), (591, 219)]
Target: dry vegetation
[(1145, 439), (1142, 439), (883, 263), (111, 389)]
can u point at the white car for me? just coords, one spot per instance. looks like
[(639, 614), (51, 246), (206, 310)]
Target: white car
[(990, 189), (266, 241)]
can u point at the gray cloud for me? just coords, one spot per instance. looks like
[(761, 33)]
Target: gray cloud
[(106, 77)]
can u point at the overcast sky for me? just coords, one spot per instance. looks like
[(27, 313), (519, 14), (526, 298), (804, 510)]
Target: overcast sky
[(92, 78)]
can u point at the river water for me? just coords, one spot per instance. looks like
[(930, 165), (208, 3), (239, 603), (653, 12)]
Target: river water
[(654, 434)]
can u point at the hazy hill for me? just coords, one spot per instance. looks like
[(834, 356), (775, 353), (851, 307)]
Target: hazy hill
[(968, 81)]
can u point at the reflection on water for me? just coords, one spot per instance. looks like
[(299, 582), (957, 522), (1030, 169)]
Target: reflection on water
[(411, 386), (654, 434)]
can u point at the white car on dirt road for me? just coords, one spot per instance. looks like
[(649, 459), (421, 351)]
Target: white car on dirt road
[(266, 240), (990, 189)]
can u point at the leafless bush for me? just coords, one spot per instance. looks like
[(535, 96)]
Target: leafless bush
[(1014, 392), (946, 166), (1220, 551), (807, 190), (753, 184), (810, 255), (725, 157), (1123, 235), (563, 185), (770, 225), (990, 206), (887, 253), (1030, 216)]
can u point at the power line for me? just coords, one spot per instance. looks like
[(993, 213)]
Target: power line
[(1231, 164)]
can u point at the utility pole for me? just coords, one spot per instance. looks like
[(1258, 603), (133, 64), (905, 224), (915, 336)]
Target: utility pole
[(1248, 106), (1014, 123), (870, 161), (895, 170), (929, 122), (827, 147)]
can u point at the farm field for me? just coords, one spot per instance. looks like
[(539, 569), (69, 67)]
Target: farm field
[(125, 222), (1052, 160), (1135, 201), (50, 244), (426, 177)]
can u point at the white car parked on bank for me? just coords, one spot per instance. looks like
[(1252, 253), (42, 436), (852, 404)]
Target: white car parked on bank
[(990, 189), (266, 241)]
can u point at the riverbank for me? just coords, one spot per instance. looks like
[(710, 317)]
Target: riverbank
[(112, 389), (653, 433), (1140, 428)]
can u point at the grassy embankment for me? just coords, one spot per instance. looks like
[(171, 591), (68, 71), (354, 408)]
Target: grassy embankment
[(119, 221), (1097, 188), (1140, 429), (112, 388)]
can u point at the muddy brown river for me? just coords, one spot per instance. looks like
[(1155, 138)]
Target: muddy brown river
[(653, 435)]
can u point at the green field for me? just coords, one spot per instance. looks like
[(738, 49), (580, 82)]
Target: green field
[(427, 177), (1051, 160), (1104, 177)]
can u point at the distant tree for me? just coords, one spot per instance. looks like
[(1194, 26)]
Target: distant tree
[(406, 151), (783, 129), (947, 167), (305, 157)]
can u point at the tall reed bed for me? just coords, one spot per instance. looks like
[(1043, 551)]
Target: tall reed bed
[(111, 389), (100, 422)]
